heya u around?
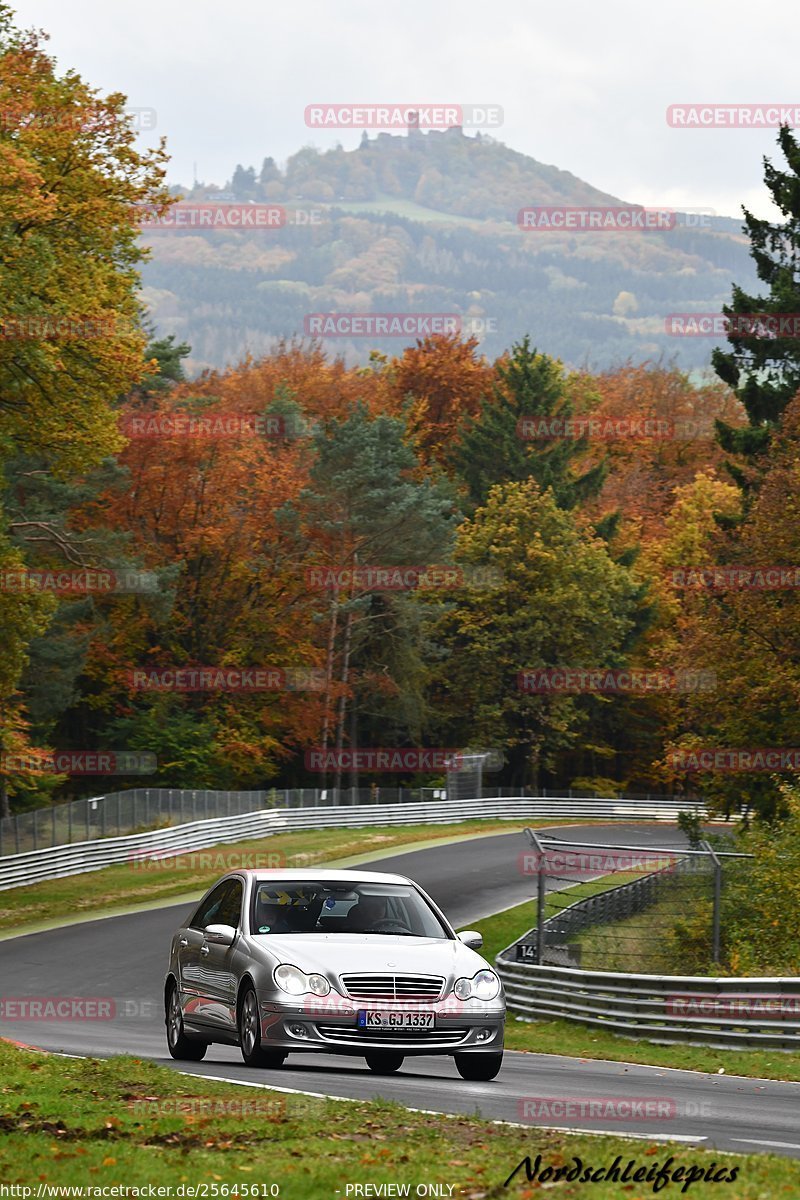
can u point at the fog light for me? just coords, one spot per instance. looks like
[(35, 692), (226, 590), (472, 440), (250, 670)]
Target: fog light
[(298, 1031), (483, 1035)]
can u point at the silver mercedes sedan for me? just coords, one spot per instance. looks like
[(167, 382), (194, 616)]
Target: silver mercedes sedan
[(347, 962)]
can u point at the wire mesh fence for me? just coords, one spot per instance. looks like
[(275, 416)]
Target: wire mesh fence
[(138, 809), (627, 909)]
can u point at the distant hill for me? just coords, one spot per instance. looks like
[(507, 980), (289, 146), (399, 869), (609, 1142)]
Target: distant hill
[(428, 223)]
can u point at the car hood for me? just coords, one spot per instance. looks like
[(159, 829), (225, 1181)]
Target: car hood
[(342, 953)]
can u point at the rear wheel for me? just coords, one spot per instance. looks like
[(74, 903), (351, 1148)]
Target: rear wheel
[(478, 1066), (250, 1035), (180, 1046), (384, 1062)]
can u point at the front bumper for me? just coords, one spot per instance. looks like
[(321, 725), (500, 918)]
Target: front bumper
[(331, 1027)]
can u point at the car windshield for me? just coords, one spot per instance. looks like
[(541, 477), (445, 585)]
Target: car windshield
[(342, 908)]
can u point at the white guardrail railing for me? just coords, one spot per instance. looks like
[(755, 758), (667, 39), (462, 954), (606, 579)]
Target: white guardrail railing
[(726, 1013), (57, 861)]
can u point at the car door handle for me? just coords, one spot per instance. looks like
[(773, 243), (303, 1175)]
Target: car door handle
[(204, 950), (183, 942)]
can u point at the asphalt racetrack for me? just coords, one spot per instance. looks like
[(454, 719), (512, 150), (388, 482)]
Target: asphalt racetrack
[(125, 958)]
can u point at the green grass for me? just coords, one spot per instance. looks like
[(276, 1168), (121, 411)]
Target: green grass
[(127, 1123), (653, 941), (581, 1041), (403, 208)]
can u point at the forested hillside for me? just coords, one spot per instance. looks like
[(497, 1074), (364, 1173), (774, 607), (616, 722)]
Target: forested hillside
[(428, 223)]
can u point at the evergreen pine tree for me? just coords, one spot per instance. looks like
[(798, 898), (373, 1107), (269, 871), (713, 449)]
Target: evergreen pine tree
[(764, 371)]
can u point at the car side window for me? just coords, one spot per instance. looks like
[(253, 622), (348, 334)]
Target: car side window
[(209, 911), (230, 911)]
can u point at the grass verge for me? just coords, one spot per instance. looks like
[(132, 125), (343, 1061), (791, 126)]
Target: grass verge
[(582, 1041), (128, 1124)]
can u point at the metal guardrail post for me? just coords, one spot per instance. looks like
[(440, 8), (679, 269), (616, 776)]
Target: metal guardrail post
[(540, 898), (715, 930)]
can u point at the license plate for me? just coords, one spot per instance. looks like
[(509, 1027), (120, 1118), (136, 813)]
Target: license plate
[(371, 1019)]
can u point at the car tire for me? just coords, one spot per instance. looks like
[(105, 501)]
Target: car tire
[(478, 1066), (384, 1062), (249, 1023), (179, 1045)]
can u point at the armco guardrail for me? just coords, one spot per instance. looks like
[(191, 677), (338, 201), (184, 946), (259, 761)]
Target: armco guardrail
[(719, 1012), (117, 814), (55, 862)]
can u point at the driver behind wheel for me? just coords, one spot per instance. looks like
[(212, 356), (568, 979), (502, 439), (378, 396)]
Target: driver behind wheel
[(366, 914)]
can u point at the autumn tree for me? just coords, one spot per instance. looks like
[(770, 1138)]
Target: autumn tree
[(367, 506), (440, 380), (559, 600), (71, 181), (745, 633)]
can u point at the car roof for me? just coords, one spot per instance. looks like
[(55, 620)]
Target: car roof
[(298, 874)]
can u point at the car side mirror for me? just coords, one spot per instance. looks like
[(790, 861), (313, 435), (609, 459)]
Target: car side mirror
[(471, 938), (220, 935)]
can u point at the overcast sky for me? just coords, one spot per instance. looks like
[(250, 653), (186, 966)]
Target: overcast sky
[(583, 85)]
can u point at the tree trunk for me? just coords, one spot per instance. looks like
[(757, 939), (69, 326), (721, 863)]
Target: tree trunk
[(353, 740), (348, 630), (326, 721)]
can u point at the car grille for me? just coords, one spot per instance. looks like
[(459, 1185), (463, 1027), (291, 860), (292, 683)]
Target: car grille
[(394, 987), (404, 1037)]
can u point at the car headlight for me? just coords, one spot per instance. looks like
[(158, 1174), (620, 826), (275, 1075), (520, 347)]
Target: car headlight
[(484, 985), (294, 981), (319, 985)]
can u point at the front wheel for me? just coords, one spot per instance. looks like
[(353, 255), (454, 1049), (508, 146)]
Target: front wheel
[(180, 1046), (250, 1035), (478, 1066), (384, 1062)]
